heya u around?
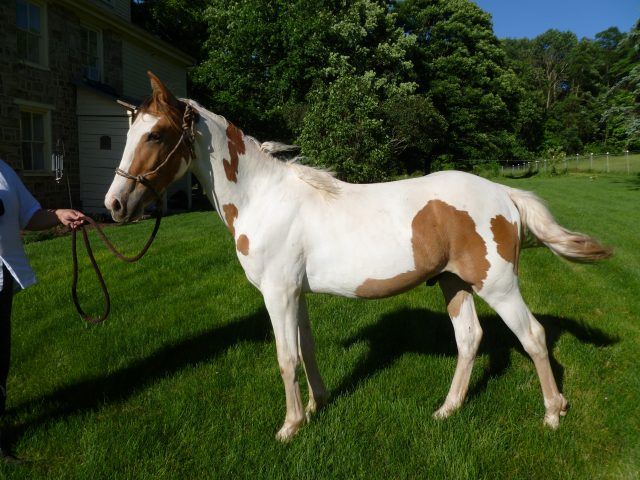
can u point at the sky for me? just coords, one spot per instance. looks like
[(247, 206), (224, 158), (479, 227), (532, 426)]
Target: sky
[(585, 18)]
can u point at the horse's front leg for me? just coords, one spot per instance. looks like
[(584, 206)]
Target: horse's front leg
[(317, 392), (283, 305)]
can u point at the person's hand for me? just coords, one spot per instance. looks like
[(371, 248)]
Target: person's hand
[(73, 219)]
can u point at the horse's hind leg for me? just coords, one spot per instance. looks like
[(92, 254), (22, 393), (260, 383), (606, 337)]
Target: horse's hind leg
[(468, 334), (317, 391), (515, 313)]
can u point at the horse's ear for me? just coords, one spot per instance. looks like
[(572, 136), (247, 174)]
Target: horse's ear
[(161, 94)]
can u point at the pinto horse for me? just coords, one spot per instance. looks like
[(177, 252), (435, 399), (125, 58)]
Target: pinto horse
[(298, 230)]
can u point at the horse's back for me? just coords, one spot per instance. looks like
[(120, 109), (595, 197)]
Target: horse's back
[(376, 240)]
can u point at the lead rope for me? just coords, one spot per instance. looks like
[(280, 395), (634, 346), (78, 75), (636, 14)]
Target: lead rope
[(105, 292), (187, 137)]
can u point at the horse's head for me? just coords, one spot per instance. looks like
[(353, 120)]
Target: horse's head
[(158, 151)]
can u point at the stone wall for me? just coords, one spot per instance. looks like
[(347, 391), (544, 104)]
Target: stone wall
[(52, 85)]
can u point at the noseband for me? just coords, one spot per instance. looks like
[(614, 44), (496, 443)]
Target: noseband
[(187, 137)]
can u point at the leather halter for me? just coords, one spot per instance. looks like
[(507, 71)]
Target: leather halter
[(187, 137)]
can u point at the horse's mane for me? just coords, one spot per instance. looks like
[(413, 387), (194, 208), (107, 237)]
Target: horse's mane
[(281, 153), (318, 178)]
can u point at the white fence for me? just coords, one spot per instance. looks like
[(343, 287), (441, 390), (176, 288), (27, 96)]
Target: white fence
[(625, 162)]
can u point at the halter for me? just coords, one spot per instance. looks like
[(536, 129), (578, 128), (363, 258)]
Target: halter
[(187, 137)]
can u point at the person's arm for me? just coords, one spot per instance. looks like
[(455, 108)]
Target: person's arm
[(44, 219)]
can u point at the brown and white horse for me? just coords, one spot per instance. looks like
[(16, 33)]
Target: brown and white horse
[(299, 230)]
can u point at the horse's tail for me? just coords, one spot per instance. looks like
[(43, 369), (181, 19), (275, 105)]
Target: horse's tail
[(537, 219)]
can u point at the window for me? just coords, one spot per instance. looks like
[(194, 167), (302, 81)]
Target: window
[(31, 32), (35, 135), (91, 51), (105, 142)]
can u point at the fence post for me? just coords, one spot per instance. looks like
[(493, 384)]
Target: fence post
[(626, 156), (591, 161), (607, 162)]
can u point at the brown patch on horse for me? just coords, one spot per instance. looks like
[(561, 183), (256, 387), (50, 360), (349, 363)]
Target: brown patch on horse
[(236, 147), (157, 144), (153, 149), (443, 237), (243, 244), (455, 304), (505, 234), (230, 215), (455, 292)]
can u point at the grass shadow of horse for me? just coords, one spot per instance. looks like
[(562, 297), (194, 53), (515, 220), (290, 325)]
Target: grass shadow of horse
[(403, 331), (118, 386), (430, 333)]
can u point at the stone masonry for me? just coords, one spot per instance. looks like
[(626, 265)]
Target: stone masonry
[(52, 85)]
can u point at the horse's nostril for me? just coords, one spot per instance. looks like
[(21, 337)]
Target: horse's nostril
[(116, 206)]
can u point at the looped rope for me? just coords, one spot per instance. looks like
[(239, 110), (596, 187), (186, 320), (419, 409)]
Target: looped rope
[(115, 252)]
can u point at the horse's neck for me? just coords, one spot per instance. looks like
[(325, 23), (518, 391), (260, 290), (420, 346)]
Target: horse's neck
[(233, 173)]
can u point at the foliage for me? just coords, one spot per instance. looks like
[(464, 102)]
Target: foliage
[(366, 74), (178, 22), (459, 63), (578, 92), (422, 83), (342, 130)]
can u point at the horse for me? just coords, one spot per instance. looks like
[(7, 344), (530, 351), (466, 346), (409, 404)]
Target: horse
[(298, 230)]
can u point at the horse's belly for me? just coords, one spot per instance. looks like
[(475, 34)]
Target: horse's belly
[(364, 270)]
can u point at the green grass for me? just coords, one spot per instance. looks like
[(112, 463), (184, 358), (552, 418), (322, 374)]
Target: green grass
[(182, 380)]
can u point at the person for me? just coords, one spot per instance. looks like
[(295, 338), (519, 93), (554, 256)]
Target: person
[(19, 210)]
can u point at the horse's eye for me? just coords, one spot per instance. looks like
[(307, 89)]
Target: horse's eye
[(154, 137)]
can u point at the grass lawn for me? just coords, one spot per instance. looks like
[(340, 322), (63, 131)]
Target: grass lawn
[(182, 380)]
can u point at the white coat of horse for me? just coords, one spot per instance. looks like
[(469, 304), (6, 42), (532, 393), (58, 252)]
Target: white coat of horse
[(298, 230)]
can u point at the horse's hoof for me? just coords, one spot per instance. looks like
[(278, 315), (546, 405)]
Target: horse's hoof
[(553, 414), (446, 410), (316, 404), (442, 413), (287, 432), (552, 421)]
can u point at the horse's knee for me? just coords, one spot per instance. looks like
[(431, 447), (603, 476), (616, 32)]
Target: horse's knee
[(289, 368), (534, 341)]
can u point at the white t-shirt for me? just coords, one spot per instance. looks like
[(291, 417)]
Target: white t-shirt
[(19, 207)]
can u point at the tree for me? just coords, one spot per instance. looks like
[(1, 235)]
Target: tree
[(354, 124), (311, 71), (622, 117), (179, 22), (462, 68), (552, 54)]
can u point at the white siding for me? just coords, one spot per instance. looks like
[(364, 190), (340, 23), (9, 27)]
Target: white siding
[(121, 8), (98, 115), (135, 63)]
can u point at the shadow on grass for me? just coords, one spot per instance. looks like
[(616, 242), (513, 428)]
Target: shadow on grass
[(404, 331), (523, 176), (430, 333), (634, 182), (118, 386)]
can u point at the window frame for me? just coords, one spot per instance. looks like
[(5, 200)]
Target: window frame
[(44, 111), (84, 50), (42, 36)]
